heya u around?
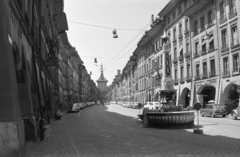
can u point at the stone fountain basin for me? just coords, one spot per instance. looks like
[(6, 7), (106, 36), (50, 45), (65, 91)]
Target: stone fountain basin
[(170, 118)]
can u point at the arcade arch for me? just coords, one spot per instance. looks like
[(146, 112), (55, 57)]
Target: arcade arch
[(185, 97), (230, 93), (206, 93)]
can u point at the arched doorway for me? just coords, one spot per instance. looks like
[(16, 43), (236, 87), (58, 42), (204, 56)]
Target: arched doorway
[(185, 97), (232, 93), (208, 93)]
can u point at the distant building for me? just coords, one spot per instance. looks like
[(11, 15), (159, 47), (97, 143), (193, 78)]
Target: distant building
[(102, 81)]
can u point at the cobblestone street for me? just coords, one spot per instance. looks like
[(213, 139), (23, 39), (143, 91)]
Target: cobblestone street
[(104, 131)]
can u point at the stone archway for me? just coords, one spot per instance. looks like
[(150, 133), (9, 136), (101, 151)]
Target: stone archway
[(206, 93), (230, 93), (185, 97)]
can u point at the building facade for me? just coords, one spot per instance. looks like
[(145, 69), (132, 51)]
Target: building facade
[(203, 45), (41, 71)]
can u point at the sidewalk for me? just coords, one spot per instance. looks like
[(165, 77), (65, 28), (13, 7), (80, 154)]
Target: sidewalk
[(56, 143)]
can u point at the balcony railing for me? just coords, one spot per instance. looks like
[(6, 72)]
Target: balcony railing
[(180, 37), (176, 81), (175, 60), (196, 55), (195, 33), (168, 46), (210, 25), (187, 55), (188, 78), (236, 71), (224, 48), (186, 32), (232, 12), (225, 73), (204, 75), (197, 77), (180, 58), (202, 29), (235, 44), (181, 80), (212, 73), (223, 18), (174, 41), (203, 52), (211, 49)]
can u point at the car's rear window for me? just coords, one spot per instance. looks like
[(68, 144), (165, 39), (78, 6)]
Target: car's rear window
[(219, 106)]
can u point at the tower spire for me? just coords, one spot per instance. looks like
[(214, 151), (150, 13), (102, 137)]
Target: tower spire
[(102, 81), (101, 68)]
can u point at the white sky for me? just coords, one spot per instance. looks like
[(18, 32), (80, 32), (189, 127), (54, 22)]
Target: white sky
[(95, 42)]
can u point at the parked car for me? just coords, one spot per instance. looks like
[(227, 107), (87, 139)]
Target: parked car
[(213, 110), (124, 104), (81, 105), (235, 113), (233, 108), (129, 104), (135, 105), (74, 107), (152, 105), (120, 103)]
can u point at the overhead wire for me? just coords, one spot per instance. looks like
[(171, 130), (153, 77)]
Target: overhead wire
[(124, 29), (126, 46), (141, 30), (100, 57)]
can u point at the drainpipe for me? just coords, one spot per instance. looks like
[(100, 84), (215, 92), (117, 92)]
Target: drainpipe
[(38, 90), (219, 58), (192, 97), (40, 73)]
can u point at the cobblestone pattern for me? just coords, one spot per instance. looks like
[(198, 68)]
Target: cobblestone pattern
[(100, 132)]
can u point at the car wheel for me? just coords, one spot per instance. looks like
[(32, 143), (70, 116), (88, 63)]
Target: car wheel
[(234, 116), (224, 115), (212, 115)]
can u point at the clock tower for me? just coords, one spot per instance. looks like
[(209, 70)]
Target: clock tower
[(102, 81)]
